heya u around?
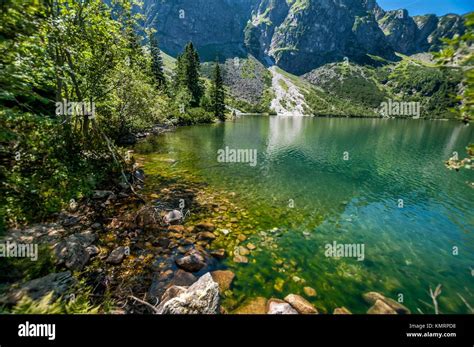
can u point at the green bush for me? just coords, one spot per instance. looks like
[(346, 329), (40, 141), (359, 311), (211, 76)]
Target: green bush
[(194, 115)]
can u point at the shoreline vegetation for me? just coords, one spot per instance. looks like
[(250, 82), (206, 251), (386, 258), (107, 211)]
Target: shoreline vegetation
[(111, 241)]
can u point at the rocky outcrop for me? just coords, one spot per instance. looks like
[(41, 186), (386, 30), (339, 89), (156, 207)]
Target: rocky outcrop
[(216, 27), (200, 298)]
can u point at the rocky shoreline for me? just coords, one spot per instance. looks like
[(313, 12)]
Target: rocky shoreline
[(156, 256)]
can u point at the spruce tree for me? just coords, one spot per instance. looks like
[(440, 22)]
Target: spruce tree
[(218, 93), (188, 75), (157, 63)]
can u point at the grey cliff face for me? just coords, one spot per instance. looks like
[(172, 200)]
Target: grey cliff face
[(296, 35)]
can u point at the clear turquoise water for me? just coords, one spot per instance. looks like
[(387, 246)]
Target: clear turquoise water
[(407, 249)]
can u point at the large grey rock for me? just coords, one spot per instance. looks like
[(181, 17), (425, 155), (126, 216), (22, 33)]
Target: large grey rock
[(200, 298), (72, 251), (192, 262)]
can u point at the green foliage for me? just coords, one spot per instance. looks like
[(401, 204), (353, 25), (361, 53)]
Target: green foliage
[(188, 75), (73, 51), (133, 105), (44, 165), (81, 304), (194, 115), (15, 269), (157, 66), (457, 55), (217, 99)]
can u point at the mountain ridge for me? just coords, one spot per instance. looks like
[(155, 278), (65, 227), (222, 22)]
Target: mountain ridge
[(296, 35)]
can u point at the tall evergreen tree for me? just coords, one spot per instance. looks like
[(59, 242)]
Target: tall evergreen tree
[(188, 75), (218, 93), (157, 62)]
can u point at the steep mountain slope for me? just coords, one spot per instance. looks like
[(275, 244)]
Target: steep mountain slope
[(216, 27), (296, 35)]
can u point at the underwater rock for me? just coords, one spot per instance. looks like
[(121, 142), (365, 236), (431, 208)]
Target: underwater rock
[(380, 307), (300, 304), (218, 253), (251, 246), (279, 283), (223, 278), (372, 297), (241, 237), (240, 259), (241, 250), (256, 305), (309, 291), (277, 306), (341, 310)]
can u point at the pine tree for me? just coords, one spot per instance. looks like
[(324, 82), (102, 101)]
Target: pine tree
[(157, 63), (188, 75), (218, 94)]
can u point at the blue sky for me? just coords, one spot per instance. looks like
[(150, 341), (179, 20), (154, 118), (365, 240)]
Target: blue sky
[(438, 7)]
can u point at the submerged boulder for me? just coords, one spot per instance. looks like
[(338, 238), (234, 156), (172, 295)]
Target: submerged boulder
[(341, 310), (372, 297), (223, 278), (300, 304), (256, 305), (276, 306), (380, 307)]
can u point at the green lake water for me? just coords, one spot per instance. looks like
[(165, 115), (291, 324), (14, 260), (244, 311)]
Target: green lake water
[(393, 194)]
